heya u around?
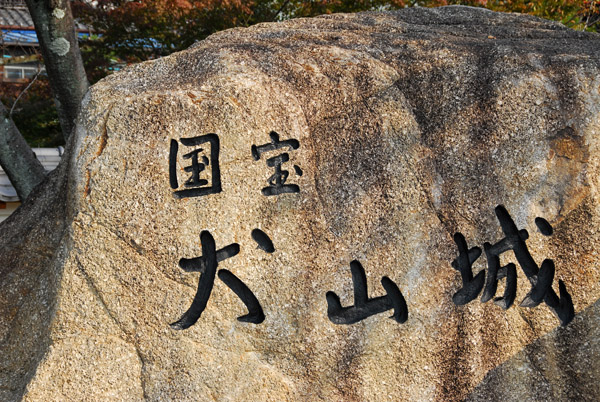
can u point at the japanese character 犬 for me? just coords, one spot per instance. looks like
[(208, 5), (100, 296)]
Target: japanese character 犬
[(541, 278), (363, 306), (207, 265), (278, 179)]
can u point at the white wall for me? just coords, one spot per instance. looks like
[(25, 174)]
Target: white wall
[(49, 157)]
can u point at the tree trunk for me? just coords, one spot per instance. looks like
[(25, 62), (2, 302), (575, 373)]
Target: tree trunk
[(17, 159), (55, 30)]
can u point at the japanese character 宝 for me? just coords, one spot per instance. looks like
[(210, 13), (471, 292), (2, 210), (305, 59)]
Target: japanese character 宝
[(277, 181)]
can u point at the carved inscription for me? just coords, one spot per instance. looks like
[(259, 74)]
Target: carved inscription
[(207, 265), (277, 181), (202, 177), (202, 154), (363, 306), (541, 278)]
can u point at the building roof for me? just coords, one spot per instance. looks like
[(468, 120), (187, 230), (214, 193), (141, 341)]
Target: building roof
[(13, 3), (18, 37), (15, 18), (49, 158)]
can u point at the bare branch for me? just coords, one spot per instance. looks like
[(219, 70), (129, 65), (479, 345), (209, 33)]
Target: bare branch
[(23, 93)]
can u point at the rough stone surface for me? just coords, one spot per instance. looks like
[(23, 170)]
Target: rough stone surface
[(412, 126)]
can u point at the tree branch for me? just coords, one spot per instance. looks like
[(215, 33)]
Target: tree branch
[(285, 3), (17, 159), (23, 93)]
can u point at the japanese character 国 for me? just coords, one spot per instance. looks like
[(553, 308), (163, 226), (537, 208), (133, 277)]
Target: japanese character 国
[(204, 175)]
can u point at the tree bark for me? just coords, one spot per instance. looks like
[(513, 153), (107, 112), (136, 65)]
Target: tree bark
[(17, 159), (56, 34)]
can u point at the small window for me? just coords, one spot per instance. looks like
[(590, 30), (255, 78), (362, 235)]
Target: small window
[(29, 73), (13, 73)]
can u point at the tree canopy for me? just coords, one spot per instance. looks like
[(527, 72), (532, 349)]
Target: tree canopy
[(130, 31)]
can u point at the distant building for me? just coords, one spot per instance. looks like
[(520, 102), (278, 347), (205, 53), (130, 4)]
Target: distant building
[(49, 157), (19, 44)]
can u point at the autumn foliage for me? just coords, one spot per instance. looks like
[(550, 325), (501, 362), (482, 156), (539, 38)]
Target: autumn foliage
[(135, 30)]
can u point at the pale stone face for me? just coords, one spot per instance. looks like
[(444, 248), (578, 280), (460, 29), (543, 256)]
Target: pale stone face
[(408, 128)]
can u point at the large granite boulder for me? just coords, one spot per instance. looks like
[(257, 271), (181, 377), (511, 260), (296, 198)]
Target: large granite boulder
[(236, 222)]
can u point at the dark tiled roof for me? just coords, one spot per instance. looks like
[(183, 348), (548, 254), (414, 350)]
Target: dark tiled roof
[(17, 27), (13, 3), (15, 17)]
